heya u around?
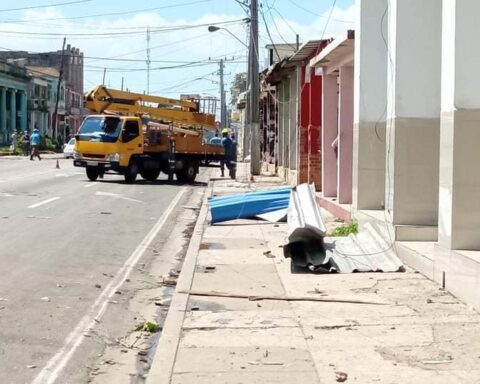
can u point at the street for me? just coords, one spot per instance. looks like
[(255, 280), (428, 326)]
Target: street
[(73, 254)]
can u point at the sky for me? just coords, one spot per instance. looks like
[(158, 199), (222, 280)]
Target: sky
[(184, 56)]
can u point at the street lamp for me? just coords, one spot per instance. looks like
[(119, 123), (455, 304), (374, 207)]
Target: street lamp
[(246, 136), (213, 28)]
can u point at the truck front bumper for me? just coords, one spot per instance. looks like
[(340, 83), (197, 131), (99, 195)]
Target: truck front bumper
[(102, 165)]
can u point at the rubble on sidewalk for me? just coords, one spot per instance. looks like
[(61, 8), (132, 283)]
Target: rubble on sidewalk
[(248, 205), (309, 250)]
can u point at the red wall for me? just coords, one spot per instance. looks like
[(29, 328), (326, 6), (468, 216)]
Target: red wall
[(310, 166)]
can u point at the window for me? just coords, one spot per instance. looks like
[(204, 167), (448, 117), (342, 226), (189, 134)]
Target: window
[(130, 131)]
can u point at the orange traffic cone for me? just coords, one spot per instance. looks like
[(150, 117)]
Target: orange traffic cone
[(58, 165)]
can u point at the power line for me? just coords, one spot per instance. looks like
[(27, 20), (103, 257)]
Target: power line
[(44, 6), (116, 34), (116, 13), (268, 31), (270, 8), (316, 14), (91, 68)]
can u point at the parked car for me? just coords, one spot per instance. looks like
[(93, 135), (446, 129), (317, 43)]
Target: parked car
[(216, 141), (68, 149)]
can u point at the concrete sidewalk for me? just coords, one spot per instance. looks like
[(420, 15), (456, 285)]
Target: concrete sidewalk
[(421, 335)]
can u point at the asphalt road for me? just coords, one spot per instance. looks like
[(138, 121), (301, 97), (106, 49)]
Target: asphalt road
[(65, 245)]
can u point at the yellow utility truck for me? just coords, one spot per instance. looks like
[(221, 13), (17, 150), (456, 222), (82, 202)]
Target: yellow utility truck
[(132, 133)]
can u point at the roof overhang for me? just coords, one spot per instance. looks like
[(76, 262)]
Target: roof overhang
[(278, 71), (337, 54), (304, 52)]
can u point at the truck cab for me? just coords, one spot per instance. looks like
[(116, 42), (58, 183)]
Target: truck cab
[(108, 142)]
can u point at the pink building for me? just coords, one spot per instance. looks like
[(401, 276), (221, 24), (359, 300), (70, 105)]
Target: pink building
[(336, 63)]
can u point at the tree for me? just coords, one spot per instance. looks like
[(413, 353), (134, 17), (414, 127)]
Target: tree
[(239, 85)]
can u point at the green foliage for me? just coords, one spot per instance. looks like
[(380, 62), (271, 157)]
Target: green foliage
[(49, 144), (148, 327), (345, 229)]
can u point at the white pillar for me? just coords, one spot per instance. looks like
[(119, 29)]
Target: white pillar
[(329, 134), (345, 135), (459, 202), (370, 93), (413, 113)]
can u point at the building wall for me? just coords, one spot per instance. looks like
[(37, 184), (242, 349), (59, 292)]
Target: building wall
[(13, 101), (309, 157)]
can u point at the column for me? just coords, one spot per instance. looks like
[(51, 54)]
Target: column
[(459, 203), (345, 134), (3, 109), (293, 119), (329, 134), (45, 124), (23, 111), (286, 123), (370, 93), (13, 110), (413, 113), (281, 128)]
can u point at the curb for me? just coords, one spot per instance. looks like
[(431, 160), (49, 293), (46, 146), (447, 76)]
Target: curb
[(164, 359)]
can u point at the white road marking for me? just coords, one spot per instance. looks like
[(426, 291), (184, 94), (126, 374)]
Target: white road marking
[(44, 202), (89, 185), (118, 196), (62, 175), (57, 363), (4, 194)]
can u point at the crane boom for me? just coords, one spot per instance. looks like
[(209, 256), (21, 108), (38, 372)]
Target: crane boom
[(181, 113)]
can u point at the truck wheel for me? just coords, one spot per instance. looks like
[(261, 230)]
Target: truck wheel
[(92, 173), (150, 174), (131, 172), (187, 174)]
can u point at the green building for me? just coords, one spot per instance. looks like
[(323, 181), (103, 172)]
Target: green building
[(14, 84)]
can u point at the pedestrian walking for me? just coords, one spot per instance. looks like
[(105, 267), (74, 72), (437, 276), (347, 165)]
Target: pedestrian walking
[(13, 146), (35, 144), (26, 143)]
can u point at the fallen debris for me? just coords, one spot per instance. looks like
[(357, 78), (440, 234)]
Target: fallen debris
[(248, 205), (279, 298), (169, 283), (341, 376), (363, 252)]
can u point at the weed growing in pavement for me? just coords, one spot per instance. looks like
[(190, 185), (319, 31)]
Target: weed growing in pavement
[(148, 327), (345, 229)]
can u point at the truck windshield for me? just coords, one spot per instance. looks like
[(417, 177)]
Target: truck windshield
[(100, 128)]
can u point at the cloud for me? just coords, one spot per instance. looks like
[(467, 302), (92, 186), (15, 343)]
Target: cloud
[(195, 44)]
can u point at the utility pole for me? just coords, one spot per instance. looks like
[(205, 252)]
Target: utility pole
[(60, 77), (254, 92), (223, 111), (148, 60), (104, 73), (122, 84)]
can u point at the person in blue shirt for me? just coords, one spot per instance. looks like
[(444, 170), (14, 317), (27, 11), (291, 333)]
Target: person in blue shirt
[(35, 144), (228, 147)]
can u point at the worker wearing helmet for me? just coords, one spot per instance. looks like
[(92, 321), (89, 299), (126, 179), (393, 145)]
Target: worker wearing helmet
[(228, 147)]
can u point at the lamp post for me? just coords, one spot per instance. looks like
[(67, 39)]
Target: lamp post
[(213, 28), (250, 142)]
